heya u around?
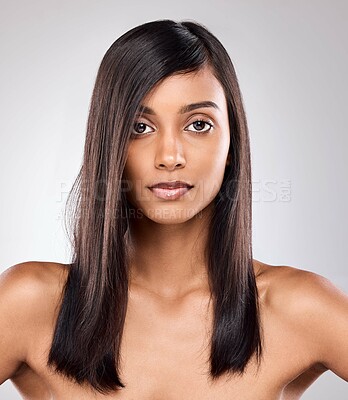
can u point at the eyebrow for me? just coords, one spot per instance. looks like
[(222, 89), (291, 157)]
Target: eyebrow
[(183, 110)]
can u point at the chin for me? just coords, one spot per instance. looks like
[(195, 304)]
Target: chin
[(171, 215)]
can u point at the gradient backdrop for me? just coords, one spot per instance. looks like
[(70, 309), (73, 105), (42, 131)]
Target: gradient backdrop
[(291, 59)]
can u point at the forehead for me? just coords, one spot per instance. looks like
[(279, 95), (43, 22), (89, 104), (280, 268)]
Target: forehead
[(179, 89)]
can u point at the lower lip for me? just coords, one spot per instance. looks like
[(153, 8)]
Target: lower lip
[(169, 194)]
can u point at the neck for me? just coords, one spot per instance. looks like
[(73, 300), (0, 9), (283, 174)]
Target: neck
[(169, 259)]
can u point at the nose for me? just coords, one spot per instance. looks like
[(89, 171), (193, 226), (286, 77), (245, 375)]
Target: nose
[(169, 152)]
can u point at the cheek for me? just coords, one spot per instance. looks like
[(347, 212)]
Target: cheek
[(211, 169), (136, 177), (137, 165), (213, 159), (131, 177), (132, 168)]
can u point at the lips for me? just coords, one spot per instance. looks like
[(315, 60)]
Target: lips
[(171, 185), (170, 190)]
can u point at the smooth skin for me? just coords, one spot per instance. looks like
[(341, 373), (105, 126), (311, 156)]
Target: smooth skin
[(169, 240), (165, 342)]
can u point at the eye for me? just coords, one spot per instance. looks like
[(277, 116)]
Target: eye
[(200, 124), (140, 129)]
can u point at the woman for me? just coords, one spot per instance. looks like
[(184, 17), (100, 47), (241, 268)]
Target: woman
[(162, 299)]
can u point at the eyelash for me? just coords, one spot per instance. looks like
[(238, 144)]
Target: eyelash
[(195, 132)]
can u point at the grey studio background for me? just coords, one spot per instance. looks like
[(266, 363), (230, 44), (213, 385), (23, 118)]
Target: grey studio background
[(291, 59)]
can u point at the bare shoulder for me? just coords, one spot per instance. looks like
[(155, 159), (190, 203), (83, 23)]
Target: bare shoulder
[(33, 287), (33, 277), (30, 293), (289, 286), (315, 307)]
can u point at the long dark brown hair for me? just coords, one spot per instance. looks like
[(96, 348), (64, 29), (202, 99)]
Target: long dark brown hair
[(88, 333)]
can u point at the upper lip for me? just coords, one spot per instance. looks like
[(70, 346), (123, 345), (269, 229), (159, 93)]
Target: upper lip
[(171, 185)]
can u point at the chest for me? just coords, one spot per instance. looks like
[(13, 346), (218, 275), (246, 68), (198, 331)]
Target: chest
[(165, 355)]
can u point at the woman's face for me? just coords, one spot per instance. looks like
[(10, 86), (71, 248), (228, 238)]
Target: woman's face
[(175, 139)]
